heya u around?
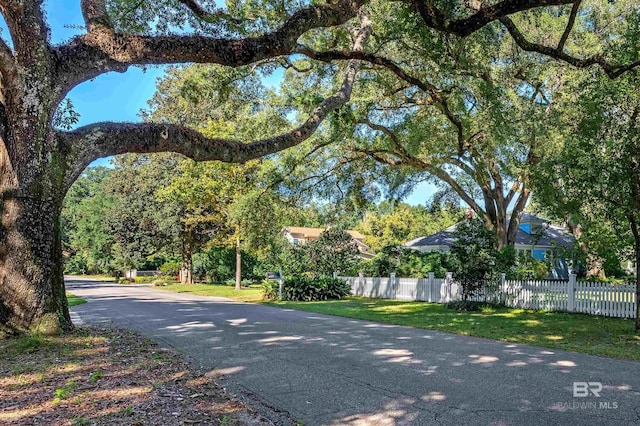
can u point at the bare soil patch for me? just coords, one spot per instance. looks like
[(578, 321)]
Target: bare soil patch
[(96, 376)]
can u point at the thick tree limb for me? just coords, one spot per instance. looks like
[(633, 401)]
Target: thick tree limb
[(569, 27), (106, 139), (205, 15), (419, 164), (438, 95), (95, 14), (519, 207), (465, 168), (515, 188), (610, 69), (402, 152), (429, 168), (103, 49), (332, 55), (436, 19), (28, 29), (8, 66)]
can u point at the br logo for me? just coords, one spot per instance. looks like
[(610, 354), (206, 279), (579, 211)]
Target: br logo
[(583, 389)]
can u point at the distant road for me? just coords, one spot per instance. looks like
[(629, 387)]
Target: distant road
[(329, 370)]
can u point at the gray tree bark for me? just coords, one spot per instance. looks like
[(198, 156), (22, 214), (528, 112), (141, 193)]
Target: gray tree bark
[(238, 261)]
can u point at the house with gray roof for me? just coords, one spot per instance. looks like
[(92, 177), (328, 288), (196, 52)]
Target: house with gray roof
[(536, 237)]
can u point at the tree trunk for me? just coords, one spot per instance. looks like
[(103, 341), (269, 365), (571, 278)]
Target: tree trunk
[(636, 241), (595, 266), (637, 284), (186, 271), (238, 261), (32, 293), (594, 263)]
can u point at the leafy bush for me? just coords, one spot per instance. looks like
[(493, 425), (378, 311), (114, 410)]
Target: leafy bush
[(314, 288), (218, 264), (334, 251), (76, 264), (244, 283), (526, 267), (146, 279), (270, 289), (407, 263), (294, 260), (476, 255), (171, 269), (381, 265)]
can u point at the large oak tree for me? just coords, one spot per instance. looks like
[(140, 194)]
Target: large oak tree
[(38, 162)]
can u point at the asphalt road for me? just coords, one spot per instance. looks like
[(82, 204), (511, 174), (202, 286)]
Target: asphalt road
[(329, 370)]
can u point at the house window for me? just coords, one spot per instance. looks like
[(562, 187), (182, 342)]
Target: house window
[(538, 254), (526, 227), (296, 241)]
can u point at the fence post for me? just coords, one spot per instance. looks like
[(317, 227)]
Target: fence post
[(502, 297), (430, 287), (392, 279), (448, 280), (571, 293)]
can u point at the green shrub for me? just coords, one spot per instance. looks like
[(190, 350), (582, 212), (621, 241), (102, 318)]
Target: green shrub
[(159, 282), (145, 279), (476, 256), (75, 264), (314, 288), (171, 269), (294, 260), (407, 263), (334, 251), (218, 264), (527, 268), (270, 289)]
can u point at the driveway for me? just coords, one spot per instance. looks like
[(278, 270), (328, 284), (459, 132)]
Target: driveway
[(330, 370)]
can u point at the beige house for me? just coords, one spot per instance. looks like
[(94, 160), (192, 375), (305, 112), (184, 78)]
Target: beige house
[(297, 235)]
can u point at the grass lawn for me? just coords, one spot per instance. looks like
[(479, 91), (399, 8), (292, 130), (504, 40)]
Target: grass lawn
[(251, 294), (74, 300), (105, 278), (612, 337)]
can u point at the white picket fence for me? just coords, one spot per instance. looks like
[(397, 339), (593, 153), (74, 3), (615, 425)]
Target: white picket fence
[(595, 298)]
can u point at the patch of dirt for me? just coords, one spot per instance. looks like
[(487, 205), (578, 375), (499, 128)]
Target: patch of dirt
[(96, 376)]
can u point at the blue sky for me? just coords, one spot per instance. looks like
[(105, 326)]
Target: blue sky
[(121, 96)]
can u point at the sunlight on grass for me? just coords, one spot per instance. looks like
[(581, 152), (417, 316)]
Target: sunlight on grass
[(251, 294), (74, 300), (531, 322), (554, 337), (613, 337), (105, 278)]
